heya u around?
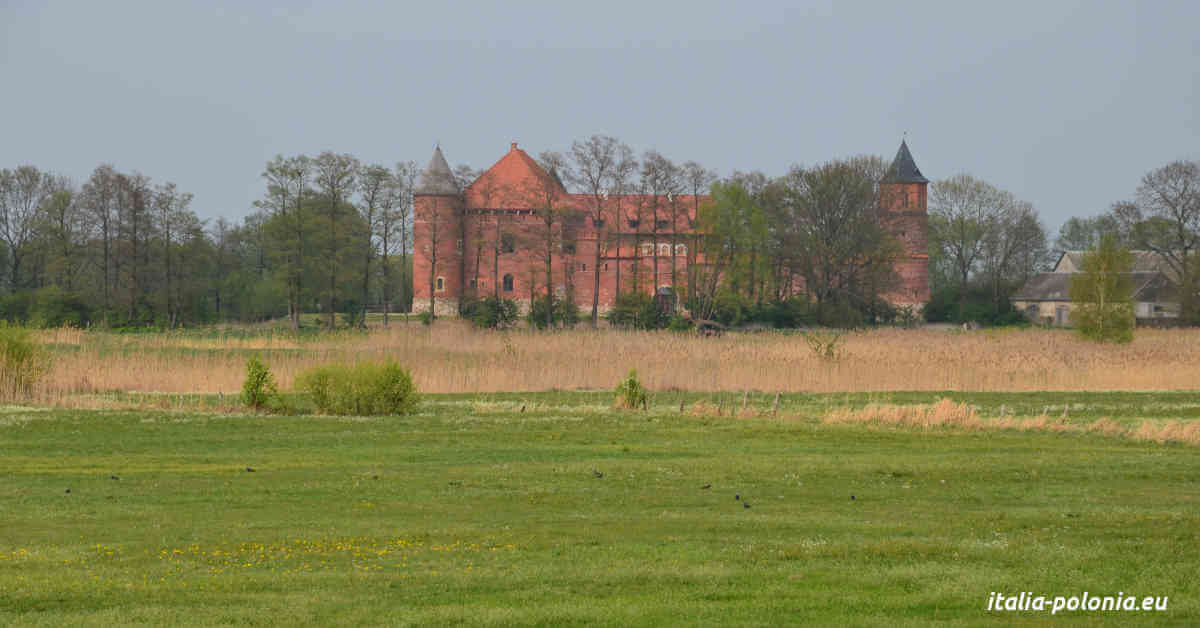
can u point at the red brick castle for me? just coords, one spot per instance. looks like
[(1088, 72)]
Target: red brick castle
[(491, 238)]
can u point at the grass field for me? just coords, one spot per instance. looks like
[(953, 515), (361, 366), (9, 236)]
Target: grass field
[(491, 509)]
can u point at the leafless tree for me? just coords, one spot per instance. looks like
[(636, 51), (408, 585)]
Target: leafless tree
[(962, 212), (171, 212), (597, 163), (287, 186), (336, 178), (22, 193)]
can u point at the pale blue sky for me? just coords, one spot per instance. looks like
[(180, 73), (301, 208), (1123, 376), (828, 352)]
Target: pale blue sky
[(1065, 104)]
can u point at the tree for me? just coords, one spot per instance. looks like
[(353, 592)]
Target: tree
[(377, 198), (22, 193), (549, 195), (1081, 234), (336, 177), (1165, 219), (65, 230), (394, 226), (287, 188), (598, 164), (847, 257), (1102, 294), (962, 214), (174, 222)]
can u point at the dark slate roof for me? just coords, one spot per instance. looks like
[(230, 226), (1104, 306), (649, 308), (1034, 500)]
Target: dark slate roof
[(1143, 261), (1147, 287), (903, 168), (437, 179)]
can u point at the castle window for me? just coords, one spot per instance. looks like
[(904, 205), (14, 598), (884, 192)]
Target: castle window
[(680, 249), (458, 245), (508, 243), (508, 283), (598, 222), (662, 224), (606, 267), (664, 249), (441, 284), (569, 248), (583, 267), (633, 223), (647, 248)]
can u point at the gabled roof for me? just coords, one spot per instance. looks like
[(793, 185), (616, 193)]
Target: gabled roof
[(903, 168), (437, 179), (1147, 287), (1143, 262), (514, 182)]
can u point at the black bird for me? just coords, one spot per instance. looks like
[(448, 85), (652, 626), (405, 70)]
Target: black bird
[(374, 477), (851, 498), (113, 477), (737, 497), (249, 469), (707, 486), (522, 407), (597, 473), (68, 490), (745, 504)]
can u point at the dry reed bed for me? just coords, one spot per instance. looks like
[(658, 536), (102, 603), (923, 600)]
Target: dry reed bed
[(452, 357), (947, 414)]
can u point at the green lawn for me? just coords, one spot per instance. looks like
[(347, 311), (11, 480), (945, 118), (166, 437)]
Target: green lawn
[(476, 512)]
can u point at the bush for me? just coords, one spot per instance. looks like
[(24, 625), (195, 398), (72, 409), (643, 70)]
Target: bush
[(259, 387), (22, 362), (630, 393), (425, 317), (565, 314), (680, 323), (368, 388), (636, 310), (493, 313)]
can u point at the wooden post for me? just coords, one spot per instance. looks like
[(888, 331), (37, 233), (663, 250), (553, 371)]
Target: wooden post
[(745, 398), (775, 409)]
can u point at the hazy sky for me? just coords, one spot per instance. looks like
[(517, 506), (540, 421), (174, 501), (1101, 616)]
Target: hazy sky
[(1064, 104)]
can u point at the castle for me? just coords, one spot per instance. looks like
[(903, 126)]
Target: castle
[(494, 236)]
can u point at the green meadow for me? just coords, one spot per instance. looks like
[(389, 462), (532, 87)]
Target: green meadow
[(553, 509)]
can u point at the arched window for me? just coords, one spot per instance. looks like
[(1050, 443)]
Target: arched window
[(441, 284), (507, 243), (508, 283), (681, 249), (664, 249), (647, 248)]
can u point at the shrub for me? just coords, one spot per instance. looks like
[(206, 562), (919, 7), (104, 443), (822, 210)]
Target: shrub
[(494, 313), (259, 387), (630, 393), (680, 323), (425, 317), (367, 388), (636, 310), (565, 314), (22, 362)]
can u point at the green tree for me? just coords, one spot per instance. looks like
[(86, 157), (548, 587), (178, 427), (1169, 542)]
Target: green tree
[(1102, 294)]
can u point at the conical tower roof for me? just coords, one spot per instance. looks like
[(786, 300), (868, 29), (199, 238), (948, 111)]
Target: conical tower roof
[(437, 179), (903, 168)]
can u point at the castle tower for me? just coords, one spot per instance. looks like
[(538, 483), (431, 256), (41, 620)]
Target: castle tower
[(437, 239), (903, 199)]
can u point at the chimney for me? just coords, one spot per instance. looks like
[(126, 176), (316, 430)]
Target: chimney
[(514, 146)]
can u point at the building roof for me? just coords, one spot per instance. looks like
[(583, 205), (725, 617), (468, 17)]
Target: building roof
[(903, 168), (1143, 262), (437, 179), (1147, 287), (516, 181)]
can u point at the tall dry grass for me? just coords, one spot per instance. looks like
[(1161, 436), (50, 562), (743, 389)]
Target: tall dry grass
[(452, 357)]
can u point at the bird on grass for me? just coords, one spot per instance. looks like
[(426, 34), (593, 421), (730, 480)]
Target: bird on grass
[(68, 490), (737, 497), (851, 498), (249, 469), (745, 504), (597, 473), (113, 477), (706, 486)]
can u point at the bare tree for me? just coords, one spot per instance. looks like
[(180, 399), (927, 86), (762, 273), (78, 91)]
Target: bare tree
[(22, 193), (377, 197), (549, 195), (336, 177), (1165, 218), (962, 212), (287, 186), (171, 211), (597, 164), (65, 228)]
